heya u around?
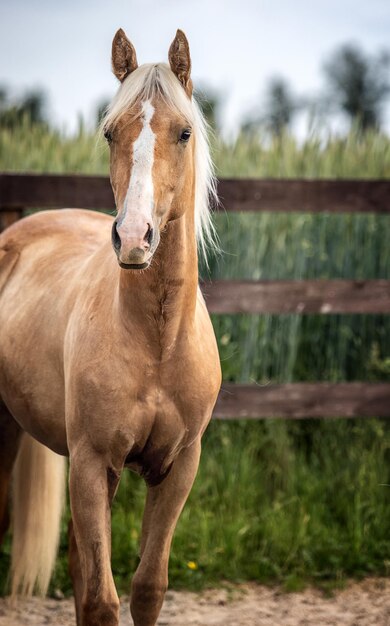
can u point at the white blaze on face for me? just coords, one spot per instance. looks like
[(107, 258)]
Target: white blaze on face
[(140, 193)]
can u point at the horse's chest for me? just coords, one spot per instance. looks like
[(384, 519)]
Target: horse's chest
[(156, 407), (159, 432), (163, 422), (179, 387), (170, 414)]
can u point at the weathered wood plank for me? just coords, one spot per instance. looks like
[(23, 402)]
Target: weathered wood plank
[(305, 195), (303, 400), (298, 296), (9, 217), (60, 190), (55, 191)]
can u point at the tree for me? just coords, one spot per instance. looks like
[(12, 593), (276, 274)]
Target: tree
[(31, 106), (210, 102), (359, 84), (280, 107), (101, 110)]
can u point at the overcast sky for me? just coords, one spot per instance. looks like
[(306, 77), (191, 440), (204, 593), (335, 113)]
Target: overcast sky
[(236, 45)]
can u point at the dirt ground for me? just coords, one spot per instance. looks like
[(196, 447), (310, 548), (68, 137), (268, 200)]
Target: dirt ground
[(365, 603)]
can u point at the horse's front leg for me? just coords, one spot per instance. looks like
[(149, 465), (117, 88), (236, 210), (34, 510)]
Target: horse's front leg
[(163, 507), (92, 485)]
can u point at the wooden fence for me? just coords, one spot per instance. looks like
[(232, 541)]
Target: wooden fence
[(19, 192)]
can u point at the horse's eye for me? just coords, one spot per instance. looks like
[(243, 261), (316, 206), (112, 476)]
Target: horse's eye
[(108, 136), (185, 135)]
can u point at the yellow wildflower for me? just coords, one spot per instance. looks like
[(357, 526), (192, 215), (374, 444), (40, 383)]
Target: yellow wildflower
[(192, 565)]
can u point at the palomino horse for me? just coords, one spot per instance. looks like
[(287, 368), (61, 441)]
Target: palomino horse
[(110, 358)]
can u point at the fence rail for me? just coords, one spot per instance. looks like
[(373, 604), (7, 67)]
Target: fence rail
[(19, 192), (298, 296), (94, 192), (300, 400)]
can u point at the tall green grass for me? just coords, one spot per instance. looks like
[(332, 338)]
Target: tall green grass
[(274, 500)]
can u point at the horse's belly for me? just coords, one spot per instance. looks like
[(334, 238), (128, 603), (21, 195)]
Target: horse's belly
[(41, 415), (33, 390)]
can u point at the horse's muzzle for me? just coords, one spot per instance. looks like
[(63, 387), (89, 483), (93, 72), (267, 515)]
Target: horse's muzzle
[(132, 242)]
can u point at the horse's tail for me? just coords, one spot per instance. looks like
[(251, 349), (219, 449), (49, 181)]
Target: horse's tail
[(38, 502)]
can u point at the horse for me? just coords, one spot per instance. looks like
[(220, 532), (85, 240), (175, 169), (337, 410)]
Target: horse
[(107, 352)]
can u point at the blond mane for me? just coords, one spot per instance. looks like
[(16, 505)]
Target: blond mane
[(151, 80)]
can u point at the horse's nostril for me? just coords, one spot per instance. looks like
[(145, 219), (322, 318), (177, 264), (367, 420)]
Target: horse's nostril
[(116, 240), (149, 235)]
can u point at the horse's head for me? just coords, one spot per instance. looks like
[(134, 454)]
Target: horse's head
[(150, 127)]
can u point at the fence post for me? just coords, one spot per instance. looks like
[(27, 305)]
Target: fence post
[(9, 217)]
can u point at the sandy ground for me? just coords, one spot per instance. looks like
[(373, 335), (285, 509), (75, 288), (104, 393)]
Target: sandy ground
[(365, 603)]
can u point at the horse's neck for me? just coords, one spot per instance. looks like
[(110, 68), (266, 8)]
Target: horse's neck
[(163, 297)]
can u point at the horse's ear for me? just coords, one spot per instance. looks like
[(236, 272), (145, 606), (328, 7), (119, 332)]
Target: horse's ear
[(124, 58), (180, 60)]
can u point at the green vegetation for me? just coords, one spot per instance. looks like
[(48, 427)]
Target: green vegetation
[(274, 500)]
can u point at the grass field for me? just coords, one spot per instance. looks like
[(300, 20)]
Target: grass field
[(273, 501)]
